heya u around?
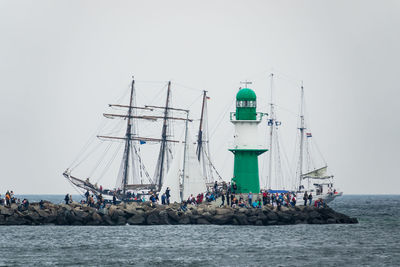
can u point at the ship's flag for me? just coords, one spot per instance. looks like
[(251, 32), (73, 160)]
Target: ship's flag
[(308, 134), (142, 142), (208, 97)]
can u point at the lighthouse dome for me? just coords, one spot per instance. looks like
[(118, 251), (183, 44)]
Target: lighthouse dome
[(246, 94)]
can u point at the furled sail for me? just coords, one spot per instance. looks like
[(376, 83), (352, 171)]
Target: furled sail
[(194, 182), (173, 177), (320, 173)]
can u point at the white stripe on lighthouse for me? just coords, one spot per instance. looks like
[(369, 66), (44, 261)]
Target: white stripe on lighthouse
[(246, 135)]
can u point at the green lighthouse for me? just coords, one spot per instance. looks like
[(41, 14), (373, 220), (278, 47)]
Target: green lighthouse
[(246, 148)]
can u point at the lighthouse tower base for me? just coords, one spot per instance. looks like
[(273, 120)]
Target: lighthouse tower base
[(246, 170)]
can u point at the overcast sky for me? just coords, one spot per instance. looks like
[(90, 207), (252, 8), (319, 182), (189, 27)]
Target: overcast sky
[(62, 62)]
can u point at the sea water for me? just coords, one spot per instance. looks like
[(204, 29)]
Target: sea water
[(375, 241)]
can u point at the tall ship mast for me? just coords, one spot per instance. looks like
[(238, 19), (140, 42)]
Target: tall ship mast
[(301, 129), (203, 146), (275, 177)]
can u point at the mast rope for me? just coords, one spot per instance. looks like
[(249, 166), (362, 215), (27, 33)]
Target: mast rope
[(87, 144), (81, 161), (142, 167), (212, 165), (195, 100), (219, 120), (188, 87), (109, 162), (100, 160)]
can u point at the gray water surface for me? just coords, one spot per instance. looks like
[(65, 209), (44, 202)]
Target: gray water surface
[(372, 242)]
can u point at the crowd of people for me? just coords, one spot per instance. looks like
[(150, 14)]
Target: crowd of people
[(226, 192), (10, 198), (229, 197)]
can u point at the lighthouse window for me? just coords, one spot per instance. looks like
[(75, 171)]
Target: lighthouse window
[(246, 104)]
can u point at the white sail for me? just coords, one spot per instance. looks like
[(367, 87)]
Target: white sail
[(194, 182), (172, 180), (317, 173)]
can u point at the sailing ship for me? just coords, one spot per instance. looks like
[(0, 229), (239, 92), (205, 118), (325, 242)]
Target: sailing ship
[(312, 180), (308, 177), (184, 175)]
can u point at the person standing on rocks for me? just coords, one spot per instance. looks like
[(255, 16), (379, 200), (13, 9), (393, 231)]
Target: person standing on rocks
[(250, 197), (278, 204), (66, 198), (305, 197), (167, 193), (264, 198), (87, 196), (223, 200), (309, 199), (12, 198), (163, 198), (8, 199), (114, 199), (227, 196), (234, 187)]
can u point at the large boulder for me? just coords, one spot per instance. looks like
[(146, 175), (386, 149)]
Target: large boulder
[(107, 220), (131, 210), (212, 210), (116, 214), (223, 211), (173, 215), (153, 217), (16, 220), (121, 220), (241, 219), (82, 216), (61, 219), (73, 219), (184, 219), (285, 217), (272, 216), (222, 219), (65, 206), (33, 216), (6, 211), (95, 219), (137, 219), (252, 219), (164, 217), (242, 210)]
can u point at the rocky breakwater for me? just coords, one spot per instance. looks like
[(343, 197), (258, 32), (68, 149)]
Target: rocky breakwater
[(145, 214)]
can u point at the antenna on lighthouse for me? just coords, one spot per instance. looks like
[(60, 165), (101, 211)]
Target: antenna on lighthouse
[(246, 82)]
